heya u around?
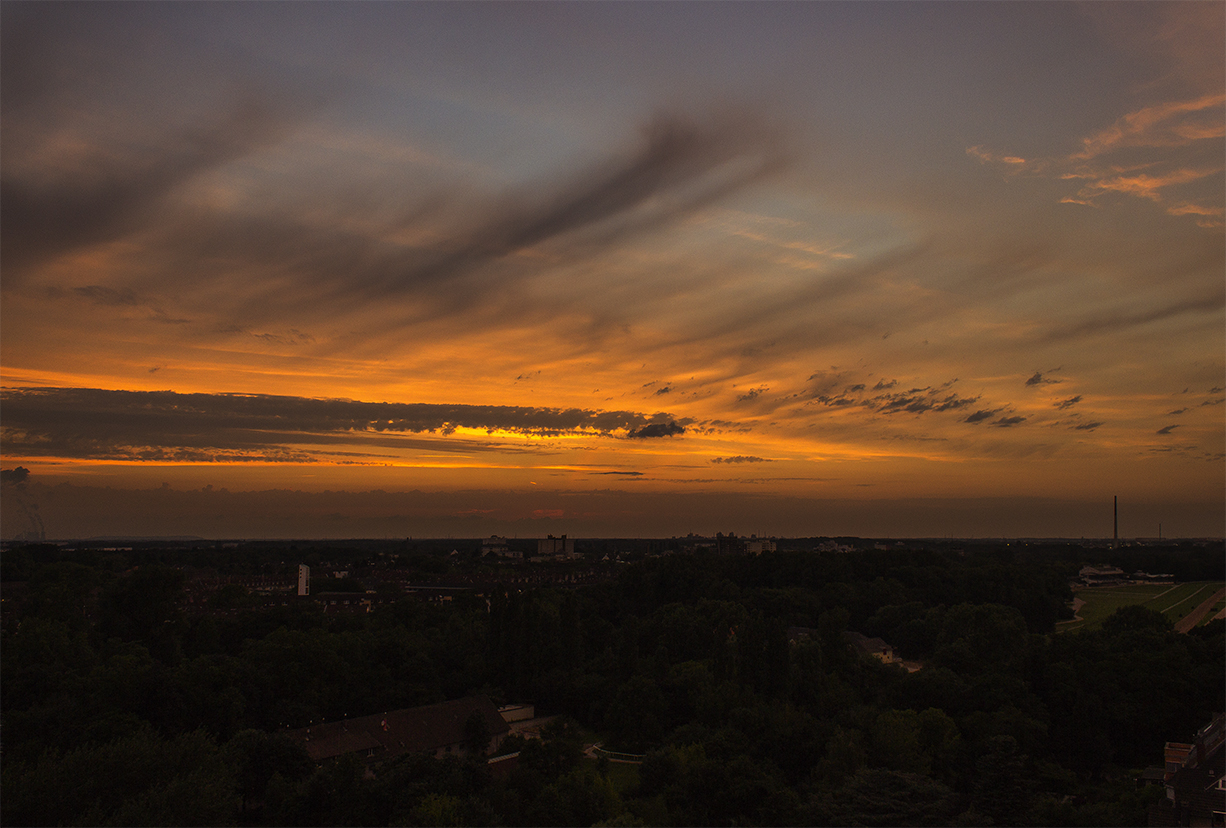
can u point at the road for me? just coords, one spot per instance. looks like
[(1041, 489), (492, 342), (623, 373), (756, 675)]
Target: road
[(1194, 617)]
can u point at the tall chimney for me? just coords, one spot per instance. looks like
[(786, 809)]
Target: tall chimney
[(1115, 544)]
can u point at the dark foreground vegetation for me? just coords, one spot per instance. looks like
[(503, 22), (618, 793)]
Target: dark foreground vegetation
[(122, 708)]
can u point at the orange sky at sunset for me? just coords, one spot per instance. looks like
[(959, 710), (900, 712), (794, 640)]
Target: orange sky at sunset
[(297, 270)]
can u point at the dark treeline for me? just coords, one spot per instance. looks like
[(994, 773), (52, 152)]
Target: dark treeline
[(121, 708)]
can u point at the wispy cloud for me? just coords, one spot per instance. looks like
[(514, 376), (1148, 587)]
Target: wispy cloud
[(1181, 141), (1166, 124)]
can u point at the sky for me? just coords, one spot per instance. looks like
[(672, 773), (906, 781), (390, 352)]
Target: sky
[(613, 269)]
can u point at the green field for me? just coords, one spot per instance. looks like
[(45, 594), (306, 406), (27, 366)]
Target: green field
[(623, 776), (1173, 601)]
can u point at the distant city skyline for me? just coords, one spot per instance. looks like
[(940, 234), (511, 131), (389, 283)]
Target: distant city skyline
[(606, 269)]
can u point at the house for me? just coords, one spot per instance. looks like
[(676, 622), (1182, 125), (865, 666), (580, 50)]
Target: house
[(516, 712), (436, 729), (1195, 780), (874, 647)]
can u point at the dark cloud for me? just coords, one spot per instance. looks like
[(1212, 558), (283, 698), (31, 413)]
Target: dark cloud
[(982, 414), (102, 295), (78, 72), (48, 217), (626, 473), (1086, 426), (14, 480), (677, 154), (166, 426), (665, 390), (835, 402), (1069, 403), (1207, 303), (14, 477), (920, 403), (657, 430), (1039, 379), (1006, 422), (752, 394), (681, 165), (912, 401), (1166, 429), (740, 459), (121, 298), (1176, 412)]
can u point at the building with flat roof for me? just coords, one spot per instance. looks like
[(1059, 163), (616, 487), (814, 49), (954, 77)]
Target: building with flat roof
[(555, 549)]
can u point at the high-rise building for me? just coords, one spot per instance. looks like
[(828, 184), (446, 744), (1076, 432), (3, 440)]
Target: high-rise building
[(304, 579), (551, 548)]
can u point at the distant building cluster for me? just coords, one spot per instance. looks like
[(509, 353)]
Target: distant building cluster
[(499, 548), (548, 549), (834, 546), (757, 546), (728, 544)]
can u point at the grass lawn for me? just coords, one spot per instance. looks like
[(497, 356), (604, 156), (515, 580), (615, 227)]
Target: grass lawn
[(1173, 601), (624, 777)]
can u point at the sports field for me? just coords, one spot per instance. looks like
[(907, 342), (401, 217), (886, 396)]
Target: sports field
[(1175, 601)]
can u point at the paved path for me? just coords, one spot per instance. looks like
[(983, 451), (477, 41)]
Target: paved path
[(1076, 619), (1194, 617)]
